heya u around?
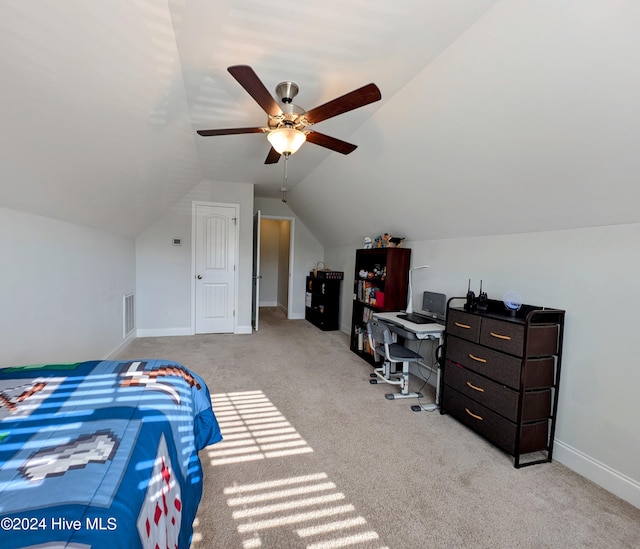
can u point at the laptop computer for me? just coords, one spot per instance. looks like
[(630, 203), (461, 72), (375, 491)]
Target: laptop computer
[(434, 308)]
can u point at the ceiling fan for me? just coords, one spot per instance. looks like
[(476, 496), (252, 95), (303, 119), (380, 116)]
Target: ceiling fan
[(287, 124)]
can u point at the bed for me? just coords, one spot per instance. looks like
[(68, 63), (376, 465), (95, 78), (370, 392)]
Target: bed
[(102, 454)]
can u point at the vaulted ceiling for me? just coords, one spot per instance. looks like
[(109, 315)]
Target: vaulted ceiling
[(496, 116)]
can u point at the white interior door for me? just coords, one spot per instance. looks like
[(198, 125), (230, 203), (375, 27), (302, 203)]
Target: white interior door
[(214, 264), (255, 296)]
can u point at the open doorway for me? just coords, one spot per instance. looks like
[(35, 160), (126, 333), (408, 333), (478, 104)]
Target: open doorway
[(276, 261)]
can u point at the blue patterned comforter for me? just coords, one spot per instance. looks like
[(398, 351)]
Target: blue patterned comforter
[(102, 454)]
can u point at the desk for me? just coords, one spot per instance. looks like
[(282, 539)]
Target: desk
[(411, 331)]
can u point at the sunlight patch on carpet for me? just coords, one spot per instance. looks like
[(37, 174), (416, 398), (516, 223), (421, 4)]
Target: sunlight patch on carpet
[(252, 429), (309, 505)]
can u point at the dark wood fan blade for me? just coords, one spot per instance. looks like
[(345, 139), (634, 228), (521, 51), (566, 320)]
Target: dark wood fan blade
[(348, 102), (331, 142), (273, 157), (249, 80), (229, 131)]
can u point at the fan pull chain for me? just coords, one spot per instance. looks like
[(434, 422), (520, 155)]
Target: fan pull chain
[(284, 183)]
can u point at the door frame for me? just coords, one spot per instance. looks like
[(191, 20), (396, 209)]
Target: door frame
[(292, 221), (236, 252), (255, 272)]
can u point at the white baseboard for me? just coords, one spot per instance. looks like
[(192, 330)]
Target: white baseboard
[(160, 332), (120, 347), (296, 316), (268, 304), (603, 475)]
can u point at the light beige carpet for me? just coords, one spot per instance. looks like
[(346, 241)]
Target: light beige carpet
[(314, 456)]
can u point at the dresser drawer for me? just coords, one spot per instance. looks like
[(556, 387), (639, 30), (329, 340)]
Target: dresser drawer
[(502, 368), (509, 338), (538, 372), (482, 420), (463, 325), (498, 398), (500, 431), (543, 340)]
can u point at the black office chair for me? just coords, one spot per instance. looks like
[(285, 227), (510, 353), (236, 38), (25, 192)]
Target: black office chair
[(381, 341)]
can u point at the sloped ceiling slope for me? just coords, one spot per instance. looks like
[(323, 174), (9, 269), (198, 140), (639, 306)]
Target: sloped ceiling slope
[(530, 121), (94, 118)]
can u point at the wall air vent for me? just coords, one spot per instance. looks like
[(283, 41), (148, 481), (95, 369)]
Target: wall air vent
[(128, 315)]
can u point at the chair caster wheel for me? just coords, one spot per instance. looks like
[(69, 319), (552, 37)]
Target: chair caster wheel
[(373, 375), (373, 381), (389, 396)]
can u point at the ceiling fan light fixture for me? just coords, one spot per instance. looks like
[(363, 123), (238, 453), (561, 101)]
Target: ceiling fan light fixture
[(286, 140)]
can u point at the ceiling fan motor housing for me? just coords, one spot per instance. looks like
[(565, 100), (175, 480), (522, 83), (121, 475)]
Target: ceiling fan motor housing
[(286, 91), (290, 117)]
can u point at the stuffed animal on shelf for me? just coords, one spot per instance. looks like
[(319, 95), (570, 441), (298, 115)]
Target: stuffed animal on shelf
[(368, 243), (387, 241), (396, 242)]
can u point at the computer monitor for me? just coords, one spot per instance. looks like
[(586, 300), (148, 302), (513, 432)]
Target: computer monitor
[(434, 305)]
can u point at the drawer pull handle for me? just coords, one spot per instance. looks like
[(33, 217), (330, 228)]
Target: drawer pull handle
[(465, 326), (473, 415), (500, 336), (477, 359), (475, 388)]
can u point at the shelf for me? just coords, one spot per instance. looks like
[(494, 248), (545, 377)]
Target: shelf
[(322, 303), (373, 294)]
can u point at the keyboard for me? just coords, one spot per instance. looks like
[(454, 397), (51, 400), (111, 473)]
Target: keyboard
[(418, 319)]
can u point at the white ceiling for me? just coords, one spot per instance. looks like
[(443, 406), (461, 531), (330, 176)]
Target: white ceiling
[(496, 116), (328, 48)]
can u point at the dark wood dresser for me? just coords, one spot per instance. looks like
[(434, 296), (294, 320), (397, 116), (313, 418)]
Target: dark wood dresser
[(501, 375)]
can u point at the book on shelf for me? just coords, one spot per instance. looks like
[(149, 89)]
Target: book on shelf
[(367, 315), (362, 341), (367, 292)]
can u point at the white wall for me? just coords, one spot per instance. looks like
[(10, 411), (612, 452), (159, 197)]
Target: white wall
[(163, 271), (592, 274), (307, 251), (61, 290)]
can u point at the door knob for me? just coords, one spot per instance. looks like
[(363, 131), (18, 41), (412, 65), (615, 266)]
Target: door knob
[(199, 277)]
